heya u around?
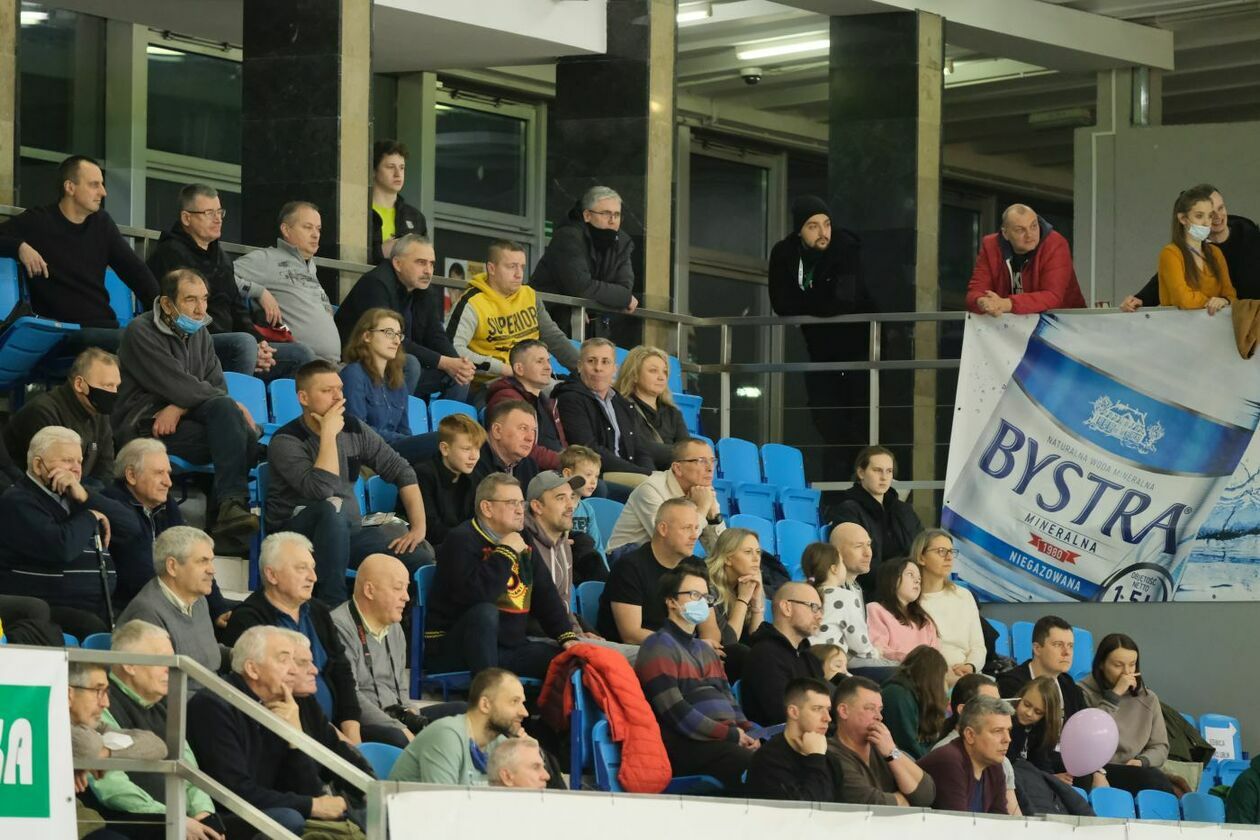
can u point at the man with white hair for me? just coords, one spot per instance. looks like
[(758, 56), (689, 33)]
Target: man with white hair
[(1026, 267), (137, 695), (287, 569), (175, 600), (248, 759), (57, 535), (142, 484), (589, 256), (518, 763)]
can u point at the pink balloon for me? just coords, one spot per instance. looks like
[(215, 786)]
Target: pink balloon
[(1088, 742)]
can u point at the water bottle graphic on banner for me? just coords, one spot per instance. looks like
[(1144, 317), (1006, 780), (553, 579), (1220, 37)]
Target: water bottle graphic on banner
[(1097, 467)]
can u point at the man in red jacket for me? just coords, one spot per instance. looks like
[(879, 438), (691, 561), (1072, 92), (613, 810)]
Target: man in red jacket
[(1026, 268)]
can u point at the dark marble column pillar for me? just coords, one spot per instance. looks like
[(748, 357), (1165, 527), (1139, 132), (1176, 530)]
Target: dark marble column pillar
[(306, 119), (612, 123)]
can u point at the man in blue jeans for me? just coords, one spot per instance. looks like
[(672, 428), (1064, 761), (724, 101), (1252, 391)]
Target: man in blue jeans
[(315, 460), (488, 586)]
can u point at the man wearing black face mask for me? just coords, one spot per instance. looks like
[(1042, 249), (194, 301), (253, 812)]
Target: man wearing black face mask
[(589, 257), (83, 404)]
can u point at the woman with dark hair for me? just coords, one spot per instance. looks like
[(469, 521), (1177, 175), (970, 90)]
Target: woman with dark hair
[(915, 701), (1115, 685), (1192, 271), (1037, 724), (372, 383), (873, 503), (896, 620)]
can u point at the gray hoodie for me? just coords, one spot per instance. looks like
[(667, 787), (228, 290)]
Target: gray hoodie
[(292, 281)]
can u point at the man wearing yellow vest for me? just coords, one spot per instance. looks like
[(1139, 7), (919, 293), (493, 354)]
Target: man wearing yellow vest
[(498, 311)]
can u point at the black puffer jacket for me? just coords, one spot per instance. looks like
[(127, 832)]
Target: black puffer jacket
[(572, 265), (586, 423), (892, 526), (176, 249)]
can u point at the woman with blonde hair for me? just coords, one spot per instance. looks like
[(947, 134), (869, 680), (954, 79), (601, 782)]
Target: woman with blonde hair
[(643, 379), (952, 609), (372, 383), (735, 577)]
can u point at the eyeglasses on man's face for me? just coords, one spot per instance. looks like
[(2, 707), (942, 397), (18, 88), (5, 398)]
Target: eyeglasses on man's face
[(816, 609), (607, 215), (101, 692), (696, 595), (512, 503), (707, 463), (209, 214)]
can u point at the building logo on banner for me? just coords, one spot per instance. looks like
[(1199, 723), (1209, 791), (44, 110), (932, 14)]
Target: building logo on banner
[(1085, 471), (24, 750)]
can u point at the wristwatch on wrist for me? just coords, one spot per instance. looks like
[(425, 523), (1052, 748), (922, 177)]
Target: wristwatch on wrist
[(893, 756)]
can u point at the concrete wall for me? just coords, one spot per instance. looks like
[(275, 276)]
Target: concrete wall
[(1199, 657), (1137, 173)]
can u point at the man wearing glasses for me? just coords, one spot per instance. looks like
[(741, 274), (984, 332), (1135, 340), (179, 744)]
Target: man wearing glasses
[(589, 257), (487, 588), (193, 242), (1026, 267), (690, 476), (704, 730), (780, 652)]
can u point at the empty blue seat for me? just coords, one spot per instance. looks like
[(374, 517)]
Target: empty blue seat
[(382, 497), (607, 759), (725, 496), (1082, 653), (1227, 771), (1112, 802), (1202, 807), (588, 594), (1021, 640), (792, 537), (447, 682), (739, 460), (690, 405), (763, 528), (251, 392), (69, 641), (121, 300), (606, 513), (1003, 646), (757, 499), (1223, 732), (417, 416), (381, 756), (29, 339), (98, 641), (441, 408), (284, 401), (582, 720), (676, 384), (1157, 805)]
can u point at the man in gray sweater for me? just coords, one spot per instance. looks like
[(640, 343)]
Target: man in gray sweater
[(175, 600), (315, 459), (173, 389), (283, 280)]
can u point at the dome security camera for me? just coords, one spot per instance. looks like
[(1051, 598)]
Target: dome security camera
[(750, 75)]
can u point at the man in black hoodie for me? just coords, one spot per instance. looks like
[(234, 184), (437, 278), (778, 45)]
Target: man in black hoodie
[(589, 257), (193, 242), (779, 652), (795, 765)]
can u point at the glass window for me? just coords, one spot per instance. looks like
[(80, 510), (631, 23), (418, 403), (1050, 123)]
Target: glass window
[(194, 104), (712, 296), (728, 207), (161, 207), (807, 175), (61, 61), (480, 160), (38, 183), (384, 107)]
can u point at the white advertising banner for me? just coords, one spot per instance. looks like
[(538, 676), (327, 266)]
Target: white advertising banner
[(36, 769), (1105, 457)]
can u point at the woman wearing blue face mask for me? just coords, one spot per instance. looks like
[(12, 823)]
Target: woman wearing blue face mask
[(1192, 271)]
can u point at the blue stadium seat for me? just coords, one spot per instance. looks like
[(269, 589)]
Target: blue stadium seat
[(1003, 646), (284, 401), (1112, 802), (29, 339), (3, 640), (251, 392), (98, 641), (606, 513), (360, 493), (784, 468), (418, 416), (440, 408), (263, 482), (676, 384), (582, 720), (447, 682), (587, 597), (737, 689), (1223, 732), (802, 506), (758, 500), (381, 495), (1021, 640), (121, 300), (1082, 653), (1227, 771), (69, 641), (381, 756), (1157, 805), (763, 528), (1190, 720), (791, 538), (1084, 794), (689, 405), (607, 758), (724, 492), (739, 461), (1202, 807)]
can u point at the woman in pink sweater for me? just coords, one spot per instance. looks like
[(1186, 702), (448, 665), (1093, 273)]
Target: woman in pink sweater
[(896, 619)]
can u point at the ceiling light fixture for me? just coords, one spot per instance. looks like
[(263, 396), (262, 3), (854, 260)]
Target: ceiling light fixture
[(755, 52), (30, 17), (693, 12)]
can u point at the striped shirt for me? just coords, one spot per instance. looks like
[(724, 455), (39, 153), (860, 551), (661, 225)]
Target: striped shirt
[(685, 682)]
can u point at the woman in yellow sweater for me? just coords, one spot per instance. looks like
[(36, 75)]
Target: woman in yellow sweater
[(1192, 271)]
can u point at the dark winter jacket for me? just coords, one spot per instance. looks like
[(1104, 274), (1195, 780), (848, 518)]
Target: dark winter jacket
[(1042, 793), (771, 664), (585, 422), (835, 287), (423, 334), (1242, 258), (256, 611), (448, 499), (892, 526), (176, 249), (61, 407), (1048, 278), (551, 437), (1242, 806), (572, 265), (407, 219), (779, 772), (523, 470), (659, 429), (472, 568)]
